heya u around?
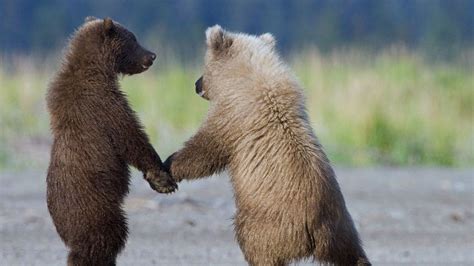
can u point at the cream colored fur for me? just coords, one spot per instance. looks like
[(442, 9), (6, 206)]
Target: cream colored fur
[(289, 205)]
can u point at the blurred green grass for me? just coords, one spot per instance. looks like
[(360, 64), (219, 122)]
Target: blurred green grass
[(392, 108)]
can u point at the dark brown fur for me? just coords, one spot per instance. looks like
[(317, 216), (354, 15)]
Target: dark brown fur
[(96, 136), (289, 204)]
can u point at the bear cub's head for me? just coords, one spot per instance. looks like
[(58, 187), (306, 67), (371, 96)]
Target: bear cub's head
[(232, 60), (121, 46)]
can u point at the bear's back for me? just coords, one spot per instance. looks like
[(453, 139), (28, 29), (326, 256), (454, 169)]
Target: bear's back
[(80, 121)]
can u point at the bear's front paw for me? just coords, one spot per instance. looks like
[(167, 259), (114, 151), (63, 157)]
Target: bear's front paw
[(167, 165), (161, 181)]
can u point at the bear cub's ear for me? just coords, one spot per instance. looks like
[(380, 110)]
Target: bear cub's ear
[(89, 18), (109, 26), (268, 38), (217, 39)]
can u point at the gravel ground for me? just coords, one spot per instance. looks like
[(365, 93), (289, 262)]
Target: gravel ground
[(414, 216)]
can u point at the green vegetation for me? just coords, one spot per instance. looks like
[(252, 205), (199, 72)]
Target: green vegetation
[(392, 108)]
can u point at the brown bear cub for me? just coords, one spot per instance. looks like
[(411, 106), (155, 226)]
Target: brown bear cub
[(96, 136), (289, 205)]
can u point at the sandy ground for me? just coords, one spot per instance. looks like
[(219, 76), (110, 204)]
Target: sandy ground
[(404, 216)]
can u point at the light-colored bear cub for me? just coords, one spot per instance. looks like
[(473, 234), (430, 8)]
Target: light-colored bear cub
[(289, 205)]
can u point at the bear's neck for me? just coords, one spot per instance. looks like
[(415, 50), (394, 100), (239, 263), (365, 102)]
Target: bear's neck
[(89, 63)]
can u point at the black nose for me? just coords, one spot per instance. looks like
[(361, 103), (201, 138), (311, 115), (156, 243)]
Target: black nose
[(198, 85), (149, 58)]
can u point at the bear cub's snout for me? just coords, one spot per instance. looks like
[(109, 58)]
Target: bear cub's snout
[(199, 88), (198, 85), (148, 59)]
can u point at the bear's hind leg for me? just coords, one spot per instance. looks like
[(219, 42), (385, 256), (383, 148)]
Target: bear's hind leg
[(94, 256), (263, 260), (339, 246), (77, 259), (99, 245), (257, 248)]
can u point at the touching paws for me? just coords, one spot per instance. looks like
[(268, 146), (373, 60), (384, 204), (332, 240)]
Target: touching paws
[(161, 181), (167, 166)]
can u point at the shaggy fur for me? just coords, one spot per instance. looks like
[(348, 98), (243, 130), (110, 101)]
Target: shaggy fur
[(289, 205), (96, 135)]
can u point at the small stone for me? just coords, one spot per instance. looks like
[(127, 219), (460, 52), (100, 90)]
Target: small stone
[(190, 223), (456, 217)]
